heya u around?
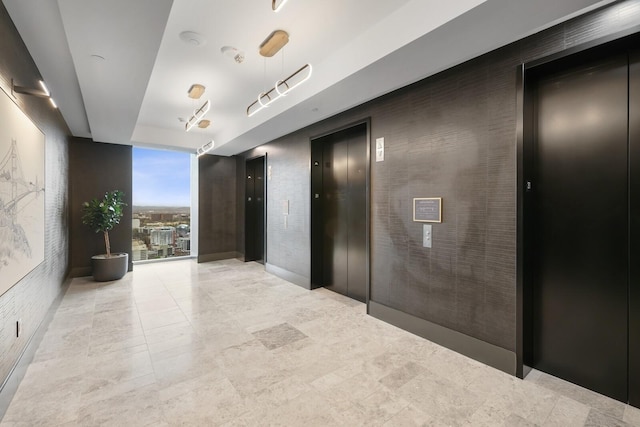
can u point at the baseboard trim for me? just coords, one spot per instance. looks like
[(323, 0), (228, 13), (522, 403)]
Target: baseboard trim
[(289, 276), (474, 348), (19, 369), (80, 272), (218, 256)]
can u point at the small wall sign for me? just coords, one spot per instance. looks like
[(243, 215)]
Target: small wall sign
[(427, 209)]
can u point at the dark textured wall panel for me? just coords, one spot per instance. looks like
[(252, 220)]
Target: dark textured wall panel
[(216, 206), (31, 297), (453, 136), (94, 170)]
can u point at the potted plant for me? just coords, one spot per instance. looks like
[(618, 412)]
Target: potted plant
[(102, 215)]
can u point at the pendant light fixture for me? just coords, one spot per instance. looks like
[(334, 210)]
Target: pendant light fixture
[(197, 116), (205, 148), (276, 5), (280, 89)]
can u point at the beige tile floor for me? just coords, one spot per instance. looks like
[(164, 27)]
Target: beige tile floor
[(224, 343)]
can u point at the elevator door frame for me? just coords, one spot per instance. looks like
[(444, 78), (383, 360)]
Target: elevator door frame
[(316, 223), (526, 72)]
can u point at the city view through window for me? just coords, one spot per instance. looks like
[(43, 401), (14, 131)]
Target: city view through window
[(161, 204)]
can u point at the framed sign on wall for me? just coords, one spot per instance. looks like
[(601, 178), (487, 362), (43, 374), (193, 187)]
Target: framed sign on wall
[(427, 209)]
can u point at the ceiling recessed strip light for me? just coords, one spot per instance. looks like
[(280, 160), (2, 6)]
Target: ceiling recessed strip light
[(197, 116), (280, 89), (44, 88), (206, 148), (276, 5), (195, 91), (272, 44)]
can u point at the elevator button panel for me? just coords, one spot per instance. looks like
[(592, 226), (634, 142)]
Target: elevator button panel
[(426, 235)]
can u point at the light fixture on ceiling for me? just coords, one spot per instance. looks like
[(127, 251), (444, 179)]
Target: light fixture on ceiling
[(234, 53), (196, 90), (205, 148), (273, 43), (197, 116), (41, 93), (281, 88), (203, 124), (276, 5)]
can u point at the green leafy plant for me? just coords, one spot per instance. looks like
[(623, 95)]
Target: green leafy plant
[(103, 215)]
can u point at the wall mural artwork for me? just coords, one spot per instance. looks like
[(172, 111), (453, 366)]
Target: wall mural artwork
[(21, 194)]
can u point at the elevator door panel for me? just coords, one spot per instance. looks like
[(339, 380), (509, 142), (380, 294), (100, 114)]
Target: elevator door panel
[(580, 292), (336, 216), (344, 212), (357, 224)]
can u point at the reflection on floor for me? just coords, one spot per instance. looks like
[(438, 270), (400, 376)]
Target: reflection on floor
[(225, 343)]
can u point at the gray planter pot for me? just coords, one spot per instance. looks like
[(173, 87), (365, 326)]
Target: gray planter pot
[(108, 269)]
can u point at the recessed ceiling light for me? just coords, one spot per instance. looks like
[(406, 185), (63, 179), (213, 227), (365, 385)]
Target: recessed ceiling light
[(203, 124), (192, 38)]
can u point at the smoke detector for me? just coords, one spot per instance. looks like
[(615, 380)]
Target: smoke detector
[(192, 38)]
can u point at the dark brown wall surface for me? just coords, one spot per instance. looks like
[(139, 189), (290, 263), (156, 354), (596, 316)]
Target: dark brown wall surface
[(96, 168), (216, 208), (30, 299), (452, 135)]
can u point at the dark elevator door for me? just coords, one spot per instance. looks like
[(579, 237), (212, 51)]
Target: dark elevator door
[(344, 204), (580, 268), (254, 210)]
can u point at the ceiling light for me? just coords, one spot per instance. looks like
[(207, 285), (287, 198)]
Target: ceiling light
[(234, 53), (203, 124), (281, 88), (40, 93), (205, 148), (195, 91), (276, 5), (272, 44), (197, 116)]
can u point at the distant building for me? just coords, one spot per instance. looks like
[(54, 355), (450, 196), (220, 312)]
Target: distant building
[(164, 251), (163, 236), (135, 223), (140, 251), (184, 244)]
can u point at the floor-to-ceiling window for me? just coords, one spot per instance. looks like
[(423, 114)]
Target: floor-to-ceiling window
[(161, 204)]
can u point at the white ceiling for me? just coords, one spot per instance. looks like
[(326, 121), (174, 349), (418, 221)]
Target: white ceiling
[(359, 50)]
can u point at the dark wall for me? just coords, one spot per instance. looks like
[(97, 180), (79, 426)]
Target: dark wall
[(30, 299), (94, 170), (216, 208), (452, 135)]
